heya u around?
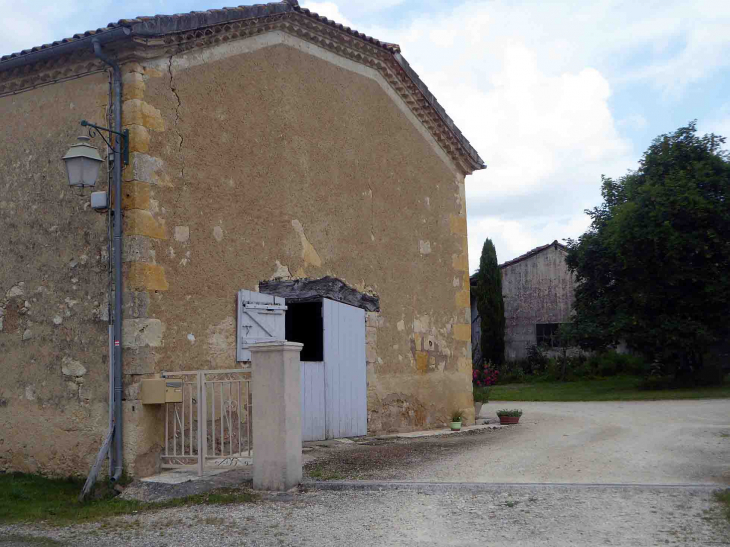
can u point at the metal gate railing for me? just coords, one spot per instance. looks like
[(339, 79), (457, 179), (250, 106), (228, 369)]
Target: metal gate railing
[(212, 424)]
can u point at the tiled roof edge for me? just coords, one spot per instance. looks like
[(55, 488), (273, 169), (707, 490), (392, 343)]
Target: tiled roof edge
[(534, 252), (160, 25), (439, 109)]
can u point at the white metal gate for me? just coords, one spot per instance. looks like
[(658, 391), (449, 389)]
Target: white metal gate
[(212, 424)]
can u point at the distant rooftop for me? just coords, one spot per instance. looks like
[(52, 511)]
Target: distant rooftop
[(533, 252)]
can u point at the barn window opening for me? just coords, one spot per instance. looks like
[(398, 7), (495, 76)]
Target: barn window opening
[(304, 324), (547, 334)]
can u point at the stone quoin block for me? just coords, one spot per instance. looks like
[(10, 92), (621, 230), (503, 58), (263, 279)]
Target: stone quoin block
[(142, 223), (146, 277)]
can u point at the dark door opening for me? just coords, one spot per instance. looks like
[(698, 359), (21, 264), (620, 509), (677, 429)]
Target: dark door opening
[(304, 324)]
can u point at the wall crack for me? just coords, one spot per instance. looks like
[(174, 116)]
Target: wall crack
[(180, 137), (372, 213)]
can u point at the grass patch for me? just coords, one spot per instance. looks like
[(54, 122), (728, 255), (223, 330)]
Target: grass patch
[(321, 474), (32, 498), (724, 498), (616, 388)]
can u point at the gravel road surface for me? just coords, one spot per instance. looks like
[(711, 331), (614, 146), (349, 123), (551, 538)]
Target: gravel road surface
[(654, 443), (529, 516)]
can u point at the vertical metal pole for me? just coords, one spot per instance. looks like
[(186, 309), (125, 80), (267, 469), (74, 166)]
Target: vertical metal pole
[(223, 424), (248, 417), (174, 429), (182, 424), (238, 414), (167, 434), (201, 425), (230, 417), (212, 420), (111, 389), (118, 143)]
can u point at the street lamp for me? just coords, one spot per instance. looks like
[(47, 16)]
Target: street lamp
[(82, 164)]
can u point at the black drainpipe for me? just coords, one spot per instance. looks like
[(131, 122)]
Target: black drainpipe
[(115, 453)]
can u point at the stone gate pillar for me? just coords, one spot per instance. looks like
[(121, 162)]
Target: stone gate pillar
[(277, 415)]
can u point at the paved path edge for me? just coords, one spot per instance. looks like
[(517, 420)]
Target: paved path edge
[(375, 486)]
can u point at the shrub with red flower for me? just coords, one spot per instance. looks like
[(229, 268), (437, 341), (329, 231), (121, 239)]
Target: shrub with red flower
[(486, 376)]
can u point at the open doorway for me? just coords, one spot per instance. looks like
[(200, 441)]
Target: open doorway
[(304, 324)]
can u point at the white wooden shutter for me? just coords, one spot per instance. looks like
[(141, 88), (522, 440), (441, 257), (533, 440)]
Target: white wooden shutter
[(260, 319)]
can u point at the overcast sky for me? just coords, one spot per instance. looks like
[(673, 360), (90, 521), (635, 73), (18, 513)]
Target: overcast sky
[(552, 95)]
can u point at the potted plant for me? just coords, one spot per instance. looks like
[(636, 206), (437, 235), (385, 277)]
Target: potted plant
[(456, 419), (507, 416)]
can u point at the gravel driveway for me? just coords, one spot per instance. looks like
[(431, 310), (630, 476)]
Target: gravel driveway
[(650, 442), (527, 516), (653, 443)]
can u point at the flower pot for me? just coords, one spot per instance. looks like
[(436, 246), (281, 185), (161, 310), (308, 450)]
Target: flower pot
[(477, 410), (455, 426), (506, 420)]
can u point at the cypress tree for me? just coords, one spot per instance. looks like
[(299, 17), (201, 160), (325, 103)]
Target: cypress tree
[(490, 305)]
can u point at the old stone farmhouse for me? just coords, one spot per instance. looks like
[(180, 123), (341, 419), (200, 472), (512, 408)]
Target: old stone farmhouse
[(267, 143), (538, 292)]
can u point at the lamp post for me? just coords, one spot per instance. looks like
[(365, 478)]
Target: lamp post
[(82, 168)]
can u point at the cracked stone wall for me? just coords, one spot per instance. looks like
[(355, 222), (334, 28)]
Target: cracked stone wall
[(280, 160), (53, 258), (260, 158)]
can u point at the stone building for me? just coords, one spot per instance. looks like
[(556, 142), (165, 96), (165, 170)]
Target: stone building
[(266, 142), (538, 292)]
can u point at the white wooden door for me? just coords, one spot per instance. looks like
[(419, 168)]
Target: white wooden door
[(344, 370), (313, 405), (260, 319)]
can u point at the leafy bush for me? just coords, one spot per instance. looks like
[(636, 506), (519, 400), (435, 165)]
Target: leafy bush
[(611, 363), (457, 415), (481, 394), (512, 372), (657, 382), (537, 361), (664, 377)]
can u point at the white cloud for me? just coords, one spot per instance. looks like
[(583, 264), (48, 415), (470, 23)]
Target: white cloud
[(544, 127), (512, 238), (329, 10)]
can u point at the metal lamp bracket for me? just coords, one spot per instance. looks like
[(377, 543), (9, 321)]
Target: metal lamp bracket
[(123, 136)]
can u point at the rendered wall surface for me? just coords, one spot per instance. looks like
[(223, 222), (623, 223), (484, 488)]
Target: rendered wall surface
[(259, 158), (53, 281)]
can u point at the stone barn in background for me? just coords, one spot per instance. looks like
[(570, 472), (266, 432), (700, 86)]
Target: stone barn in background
[(538, 292), (267, 143)]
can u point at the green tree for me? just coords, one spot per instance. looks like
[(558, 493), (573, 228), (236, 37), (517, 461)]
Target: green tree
[(653, 269), (490, 306)]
